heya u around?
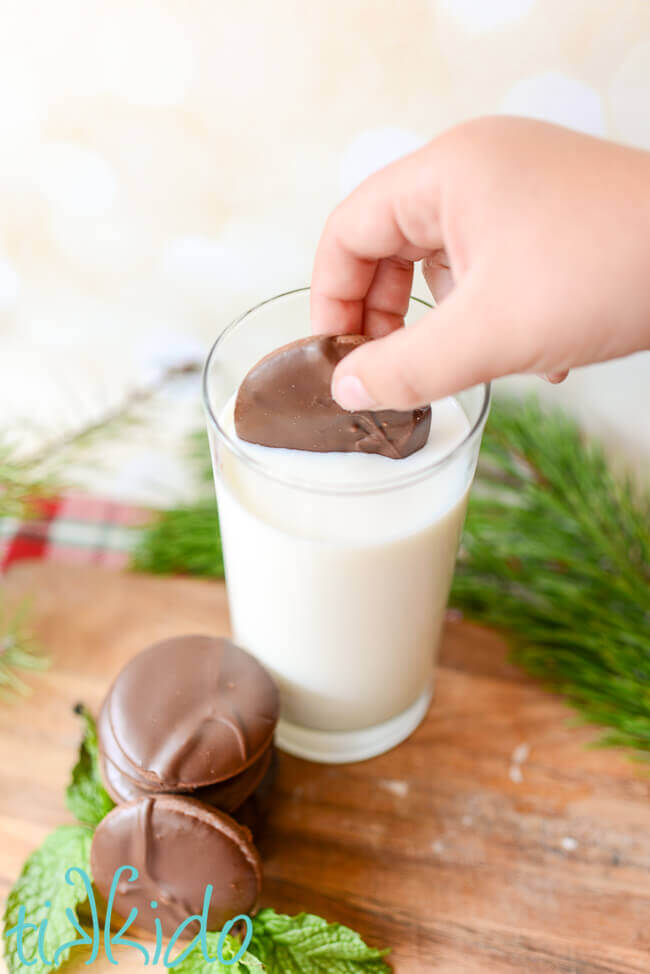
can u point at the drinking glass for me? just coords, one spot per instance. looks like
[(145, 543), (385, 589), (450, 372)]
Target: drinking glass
[(338, 589)]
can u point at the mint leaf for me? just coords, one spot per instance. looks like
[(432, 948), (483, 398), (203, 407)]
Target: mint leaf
[(85, 795), (195, 962), (43, 879), (307, 944)]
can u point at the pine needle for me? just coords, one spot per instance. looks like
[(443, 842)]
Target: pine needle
[(111, 420), (185, 540), (26, 480), (20, 487), (182, 541), (18, 650), (556, 555)]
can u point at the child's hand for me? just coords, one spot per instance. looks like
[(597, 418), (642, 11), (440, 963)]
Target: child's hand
[(535, 238)]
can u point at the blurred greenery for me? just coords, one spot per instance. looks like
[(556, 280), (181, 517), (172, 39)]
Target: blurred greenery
[(25, 480), (18, 650), (556, 555)]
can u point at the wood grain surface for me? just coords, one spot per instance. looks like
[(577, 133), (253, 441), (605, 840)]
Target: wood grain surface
[(492, 841)]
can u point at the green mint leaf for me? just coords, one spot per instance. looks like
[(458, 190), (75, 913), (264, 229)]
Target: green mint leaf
[(195, 962), (252, 965), (85, 795), (307, 944), (43, 880)]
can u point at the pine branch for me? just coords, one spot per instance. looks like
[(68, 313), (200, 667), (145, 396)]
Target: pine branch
[(20, 487), (125, 412), (182, 541), (185, 540), (18, 651), (23, 483), (556, 554), (23, 480)]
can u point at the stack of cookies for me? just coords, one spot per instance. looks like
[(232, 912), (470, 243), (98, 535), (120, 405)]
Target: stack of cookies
[(186, 749)]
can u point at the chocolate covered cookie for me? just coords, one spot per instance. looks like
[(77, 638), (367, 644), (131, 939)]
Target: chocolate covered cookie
[(226, 795), (285, 401), (186, 713), (179, 846)]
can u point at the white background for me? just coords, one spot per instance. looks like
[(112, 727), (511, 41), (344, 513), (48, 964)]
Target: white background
[(166, 164)]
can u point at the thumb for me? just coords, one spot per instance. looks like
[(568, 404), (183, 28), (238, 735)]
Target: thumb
[(451, 348)]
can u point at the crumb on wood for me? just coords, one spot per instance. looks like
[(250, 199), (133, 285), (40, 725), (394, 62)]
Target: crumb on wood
[(398, 788)]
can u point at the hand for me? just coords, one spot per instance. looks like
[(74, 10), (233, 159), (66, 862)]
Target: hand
[(535, 242)]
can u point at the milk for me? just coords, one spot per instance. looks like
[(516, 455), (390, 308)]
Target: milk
[(338, 568)]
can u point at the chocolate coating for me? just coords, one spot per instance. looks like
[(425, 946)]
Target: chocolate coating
[(285, 401), (189, 712), (254, 812), (225, 795), (178, 846), (231, 794), (121, 780)]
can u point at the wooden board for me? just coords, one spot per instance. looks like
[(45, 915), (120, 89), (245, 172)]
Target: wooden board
[(436, 849)]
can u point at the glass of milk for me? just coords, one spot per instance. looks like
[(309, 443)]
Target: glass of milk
[(338, 565)]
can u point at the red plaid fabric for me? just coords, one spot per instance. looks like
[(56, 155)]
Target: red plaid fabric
[(74, 528)]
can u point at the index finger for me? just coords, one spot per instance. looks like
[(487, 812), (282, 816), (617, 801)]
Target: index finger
[(362, 274)]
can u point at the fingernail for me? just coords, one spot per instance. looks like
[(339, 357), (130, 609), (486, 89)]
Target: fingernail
[(350, 393), (556, 377)]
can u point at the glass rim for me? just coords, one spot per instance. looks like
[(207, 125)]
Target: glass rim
[(392, 482)]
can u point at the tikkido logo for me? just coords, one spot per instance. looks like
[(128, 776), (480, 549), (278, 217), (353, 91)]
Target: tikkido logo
[(111, 940)]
